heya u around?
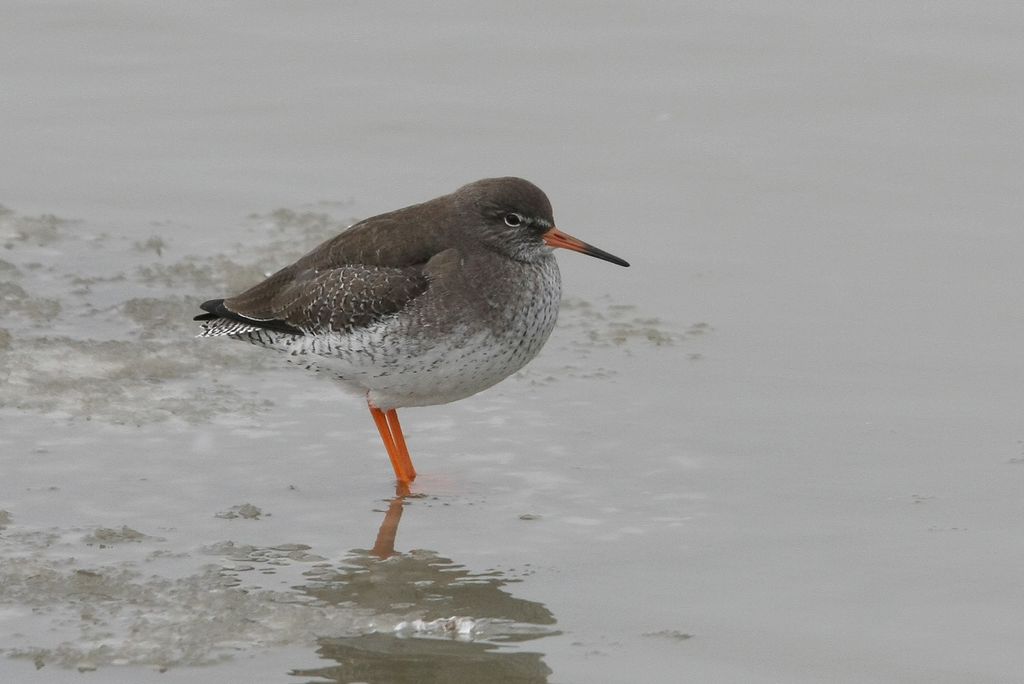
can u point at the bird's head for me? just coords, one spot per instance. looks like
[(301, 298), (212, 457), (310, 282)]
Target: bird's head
[(514, 216)]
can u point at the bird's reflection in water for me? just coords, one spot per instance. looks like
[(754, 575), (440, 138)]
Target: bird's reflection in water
[(426, 586)]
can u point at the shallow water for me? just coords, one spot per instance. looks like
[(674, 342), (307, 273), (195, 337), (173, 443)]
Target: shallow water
[(786, 445)]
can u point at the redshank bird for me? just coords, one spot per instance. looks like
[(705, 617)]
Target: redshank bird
[(420, 306)]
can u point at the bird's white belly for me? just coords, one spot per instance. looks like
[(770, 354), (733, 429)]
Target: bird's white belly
[(397, 369), (454, 368), (424, 356)]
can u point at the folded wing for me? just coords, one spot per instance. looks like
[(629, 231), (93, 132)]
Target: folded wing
[(316, 302)]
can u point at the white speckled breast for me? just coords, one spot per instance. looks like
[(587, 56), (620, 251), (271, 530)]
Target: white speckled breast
[(455, 340)]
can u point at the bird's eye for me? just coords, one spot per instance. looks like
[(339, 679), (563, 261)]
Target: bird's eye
[(513, 220)]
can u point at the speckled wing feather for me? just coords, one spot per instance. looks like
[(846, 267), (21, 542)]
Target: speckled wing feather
[(335, 300), (371, 270)]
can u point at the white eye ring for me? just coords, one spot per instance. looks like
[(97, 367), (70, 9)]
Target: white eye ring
[(513, 220)]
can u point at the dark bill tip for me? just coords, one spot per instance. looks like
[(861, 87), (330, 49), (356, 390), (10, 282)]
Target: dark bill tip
[(556, 238)]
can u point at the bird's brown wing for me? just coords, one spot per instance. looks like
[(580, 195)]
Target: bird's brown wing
[(335, 300), (405, 237), (371, 270)]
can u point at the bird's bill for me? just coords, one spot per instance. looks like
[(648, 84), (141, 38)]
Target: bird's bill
[(556, 238)]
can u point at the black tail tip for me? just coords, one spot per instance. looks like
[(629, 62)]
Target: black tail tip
[(213, 306)]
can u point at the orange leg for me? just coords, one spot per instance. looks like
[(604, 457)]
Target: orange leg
[(397, 451), (403, 450)]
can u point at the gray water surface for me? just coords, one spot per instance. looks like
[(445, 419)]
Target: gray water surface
[(785, 446)]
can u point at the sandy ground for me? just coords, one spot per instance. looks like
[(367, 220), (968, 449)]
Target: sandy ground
[(785, 446)]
